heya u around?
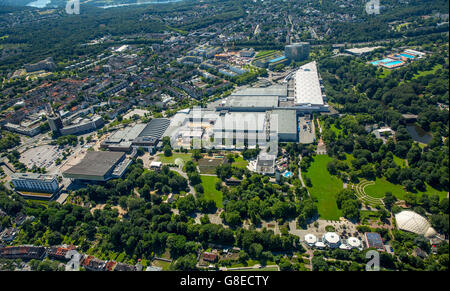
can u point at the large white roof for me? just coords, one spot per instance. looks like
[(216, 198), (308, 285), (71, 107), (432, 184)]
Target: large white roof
[(307, 88), (413, 222), (331, 237), (310, 238), (354, 242)]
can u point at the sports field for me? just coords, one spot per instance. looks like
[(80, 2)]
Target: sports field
[(324, 187)]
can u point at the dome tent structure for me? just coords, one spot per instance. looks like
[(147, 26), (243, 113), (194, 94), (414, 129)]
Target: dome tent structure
[(331, 239), (310, 239), (410, 221), (354, 242)]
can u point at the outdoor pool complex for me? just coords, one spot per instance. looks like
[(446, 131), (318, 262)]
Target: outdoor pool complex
[(407, 56), (393, 63), (381, 61)]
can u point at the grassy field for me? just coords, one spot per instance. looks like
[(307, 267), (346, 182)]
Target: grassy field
[(425, 73), (385, 73), (209, 185), (400, 162), (382, 186), (324, 187), (260, 269), (173, 157), (163, 264), (240, 162)]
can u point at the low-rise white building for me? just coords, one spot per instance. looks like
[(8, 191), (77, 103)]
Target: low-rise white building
[(35, 182)]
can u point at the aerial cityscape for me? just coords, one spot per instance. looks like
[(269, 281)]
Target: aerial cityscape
[(224, 135)]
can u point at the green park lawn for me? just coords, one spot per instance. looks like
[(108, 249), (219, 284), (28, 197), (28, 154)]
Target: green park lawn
[(400, 162), (163, 264), (324, 187), (425, 73), (382, 186), (171, 160), (385, 73), (240, 162), (336, 130), (210, 191)]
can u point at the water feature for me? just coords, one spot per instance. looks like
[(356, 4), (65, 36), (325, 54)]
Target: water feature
[(418, 134)]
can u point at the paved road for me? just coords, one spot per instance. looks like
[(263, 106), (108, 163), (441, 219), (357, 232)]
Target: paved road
[(300, 176)]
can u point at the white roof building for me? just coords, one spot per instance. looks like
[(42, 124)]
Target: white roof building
[(410, 221), (310, 239), (307, 88), (332, 239), (320, 245), (354, 242)]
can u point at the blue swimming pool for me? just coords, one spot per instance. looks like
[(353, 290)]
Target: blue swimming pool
[(387, 60), (277, 59), (390, 64), (407, 56), (287, 174)]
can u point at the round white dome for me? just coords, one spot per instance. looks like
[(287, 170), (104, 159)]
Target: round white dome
[(410, 221), (354, 242), (310, 238), (331, 237)]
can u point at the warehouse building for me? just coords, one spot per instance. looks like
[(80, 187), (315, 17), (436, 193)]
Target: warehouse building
[(139, 135), (308, 88), (99, 166), (287, 124), (253, 116)]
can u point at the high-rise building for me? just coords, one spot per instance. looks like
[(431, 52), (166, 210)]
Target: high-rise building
[(55, 123), (297, 51)]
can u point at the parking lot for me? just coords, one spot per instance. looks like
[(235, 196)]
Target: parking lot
[(41, 156), (307, 133)]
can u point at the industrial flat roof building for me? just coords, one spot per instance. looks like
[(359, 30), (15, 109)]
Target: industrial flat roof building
[(155, 128), (251, 103), (275, 90), (98, 166), (307, 88), (122, 139), (140, 135), (286, 123)]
